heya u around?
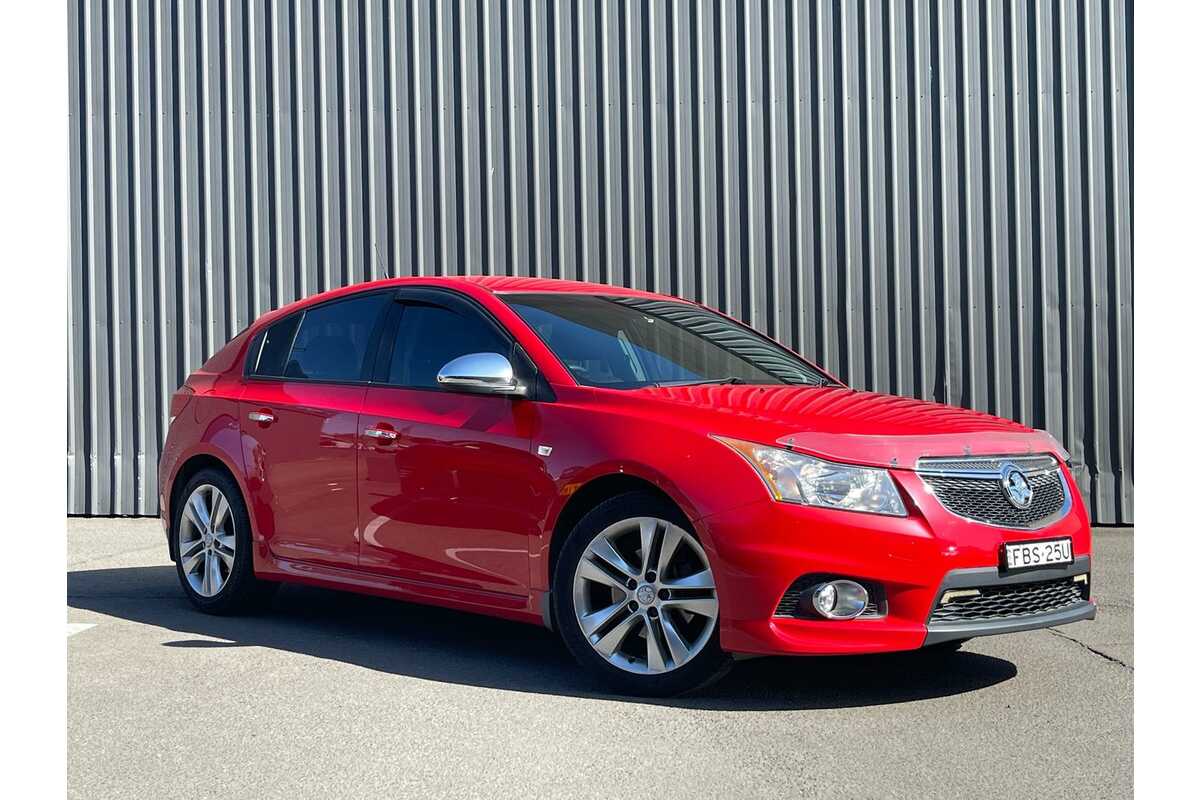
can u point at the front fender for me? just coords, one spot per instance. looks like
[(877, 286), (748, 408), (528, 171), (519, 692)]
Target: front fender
[(701, 475)]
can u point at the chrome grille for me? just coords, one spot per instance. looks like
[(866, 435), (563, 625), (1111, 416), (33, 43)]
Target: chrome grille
[(1027, 464), (972, 488), (1006, 602)]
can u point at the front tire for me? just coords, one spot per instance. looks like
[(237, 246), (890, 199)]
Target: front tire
[(635, 601), (212, 543)]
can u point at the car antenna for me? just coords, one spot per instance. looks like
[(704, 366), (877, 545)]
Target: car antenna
[(383, 273)]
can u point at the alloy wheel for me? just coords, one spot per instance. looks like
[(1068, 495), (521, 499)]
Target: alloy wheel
[(644, 595), (207, 540)]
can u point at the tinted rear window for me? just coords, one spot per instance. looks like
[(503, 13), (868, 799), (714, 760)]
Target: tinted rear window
[(333, 338)]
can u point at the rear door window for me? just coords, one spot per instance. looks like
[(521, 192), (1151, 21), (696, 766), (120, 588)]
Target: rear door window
[(334, 339)]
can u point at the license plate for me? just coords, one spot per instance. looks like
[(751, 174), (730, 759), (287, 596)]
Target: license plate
[(1023, 555)]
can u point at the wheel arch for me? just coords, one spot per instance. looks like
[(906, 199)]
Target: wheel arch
[(591, 494), (187, 470)]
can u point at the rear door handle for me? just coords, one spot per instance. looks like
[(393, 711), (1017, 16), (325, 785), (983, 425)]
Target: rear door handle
[(381, 433), (261, 417)]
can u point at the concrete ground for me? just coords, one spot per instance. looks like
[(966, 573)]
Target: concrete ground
[(333, 695)]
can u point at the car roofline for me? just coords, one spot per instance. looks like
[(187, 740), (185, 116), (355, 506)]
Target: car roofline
[(492, 284)]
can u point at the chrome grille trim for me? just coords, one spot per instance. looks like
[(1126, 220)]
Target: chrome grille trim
[(986, 466), (952, 481)]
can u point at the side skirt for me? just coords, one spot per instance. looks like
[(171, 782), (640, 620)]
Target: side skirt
[(520, 608)]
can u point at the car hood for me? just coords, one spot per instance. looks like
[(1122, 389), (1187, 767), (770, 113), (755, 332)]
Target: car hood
[(848, 425)]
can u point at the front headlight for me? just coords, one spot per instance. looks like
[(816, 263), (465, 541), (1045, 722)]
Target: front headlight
[(798, 478)]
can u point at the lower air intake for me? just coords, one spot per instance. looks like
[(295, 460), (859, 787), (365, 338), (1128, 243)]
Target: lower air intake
[(1007, 602)]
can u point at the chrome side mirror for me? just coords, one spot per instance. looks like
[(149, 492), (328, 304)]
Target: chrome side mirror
[(481, 373)]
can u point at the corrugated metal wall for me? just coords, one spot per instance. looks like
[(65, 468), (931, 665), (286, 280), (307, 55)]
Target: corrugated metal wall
[(932, 199)]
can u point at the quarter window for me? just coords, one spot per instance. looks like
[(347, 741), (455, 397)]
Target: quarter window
[(270, 348), (333, 339), (431, 336)]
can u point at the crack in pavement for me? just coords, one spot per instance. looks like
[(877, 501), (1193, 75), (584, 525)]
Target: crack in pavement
[(1090, 649)]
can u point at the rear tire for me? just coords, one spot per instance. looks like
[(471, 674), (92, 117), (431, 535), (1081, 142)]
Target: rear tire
[(655, 581), (210, 535)]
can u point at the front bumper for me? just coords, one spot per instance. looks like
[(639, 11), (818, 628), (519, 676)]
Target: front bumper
[(759, 550)]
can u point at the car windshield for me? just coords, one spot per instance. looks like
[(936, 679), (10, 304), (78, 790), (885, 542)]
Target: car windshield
[(631, 342)]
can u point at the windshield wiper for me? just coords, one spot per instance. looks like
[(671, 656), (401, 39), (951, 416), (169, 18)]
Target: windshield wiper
[(732, 379)]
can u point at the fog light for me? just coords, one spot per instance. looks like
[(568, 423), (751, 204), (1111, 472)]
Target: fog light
[(839, 599), (825, 599)]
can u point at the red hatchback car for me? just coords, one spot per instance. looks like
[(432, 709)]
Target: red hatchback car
[(660, 484)]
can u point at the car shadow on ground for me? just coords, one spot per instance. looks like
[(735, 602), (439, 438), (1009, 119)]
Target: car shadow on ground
[(454, 647)]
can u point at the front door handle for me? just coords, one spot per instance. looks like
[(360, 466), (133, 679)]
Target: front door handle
[(261, 417), (381, 433)]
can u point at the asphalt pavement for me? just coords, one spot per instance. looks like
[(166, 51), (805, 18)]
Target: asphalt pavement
[(328, 694)]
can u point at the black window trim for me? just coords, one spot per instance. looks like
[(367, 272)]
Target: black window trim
[(389, 321), (446, 298), (368, 355)]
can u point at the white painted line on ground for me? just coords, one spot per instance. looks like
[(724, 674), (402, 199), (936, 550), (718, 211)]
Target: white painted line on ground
[(78, 627)]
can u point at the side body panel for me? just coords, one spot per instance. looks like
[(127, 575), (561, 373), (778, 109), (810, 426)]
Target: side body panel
[(301, 469), (453, 498)]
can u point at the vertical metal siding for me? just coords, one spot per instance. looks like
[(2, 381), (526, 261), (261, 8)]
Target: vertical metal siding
[(931, 199)]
